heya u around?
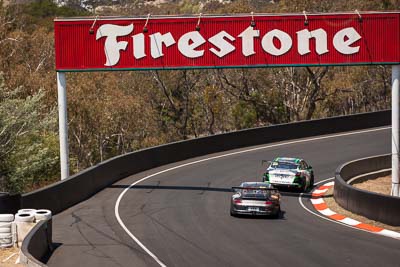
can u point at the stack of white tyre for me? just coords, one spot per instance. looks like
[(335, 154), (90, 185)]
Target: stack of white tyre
[(32, 215), (26, 219), (6, 233), (42, 214), (14, 228)]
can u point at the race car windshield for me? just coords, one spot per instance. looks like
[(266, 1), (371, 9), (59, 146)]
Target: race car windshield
[(256, 193), (283, 165)]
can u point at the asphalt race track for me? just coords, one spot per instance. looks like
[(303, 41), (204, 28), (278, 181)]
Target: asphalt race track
[(182, 216)]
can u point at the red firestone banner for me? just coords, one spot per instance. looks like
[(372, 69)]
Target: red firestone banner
[(172, 42)]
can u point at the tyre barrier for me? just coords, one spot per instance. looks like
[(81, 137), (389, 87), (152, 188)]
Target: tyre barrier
[(42, 214), (5, 225), (4, 230), (5, 235), (26, 211), (6, 218), (24, 217), (25, 220), (14, 228), (6, 239), (38, 214)]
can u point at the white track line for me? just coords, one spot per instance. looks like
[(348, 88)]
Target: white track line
[(116, 208), (348, 222)]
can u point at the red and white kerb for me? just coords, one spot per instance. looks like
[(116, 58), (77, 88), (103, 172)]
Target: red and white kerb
[(320, 205)]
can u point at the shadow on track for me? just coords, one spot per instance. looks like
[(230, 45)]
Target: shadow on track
[(281, 216), (286, 192)]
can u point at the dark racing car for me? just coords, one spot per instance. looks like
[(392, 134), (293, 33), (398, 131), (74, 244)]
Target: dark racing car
[(255, 198)]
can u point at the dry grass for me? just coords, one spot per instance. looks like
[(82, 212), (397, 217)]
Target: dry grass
[(380, 185), (6, 260)]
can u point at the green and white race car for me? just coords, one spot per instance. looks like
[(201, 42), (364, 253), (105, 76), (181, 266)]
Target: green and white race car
[(290, 172)]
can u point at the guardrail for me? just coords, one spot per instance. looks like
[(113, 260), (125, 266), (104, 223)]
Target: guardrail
[(375, 206)]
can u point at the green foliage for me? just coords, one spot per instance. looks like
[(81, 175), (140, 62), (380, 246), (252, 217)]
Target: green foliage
[(244, 116), (188, 7), (40, 14), (48, 9), (27, 140), (33, 163)]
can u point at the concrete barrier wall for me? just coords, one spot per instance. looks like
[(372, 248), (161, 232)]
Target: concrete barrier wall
[(372, 205), (9, 203), (37, 244), (83, 185)]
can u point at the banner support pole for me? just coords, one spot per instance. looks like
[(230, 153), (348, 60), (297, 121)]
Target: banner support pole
[(395, 129), (63, 124)]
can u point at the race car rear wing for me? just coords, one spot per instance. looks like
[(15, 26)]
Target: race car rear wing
[(273, 192), (254, 188)]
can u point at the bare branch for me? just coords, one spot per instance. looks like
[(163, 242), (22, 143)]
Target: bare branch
[(156, 76)]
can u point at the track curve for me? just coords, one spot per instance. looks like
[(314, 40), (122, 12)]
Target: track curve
[(182, 216)]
